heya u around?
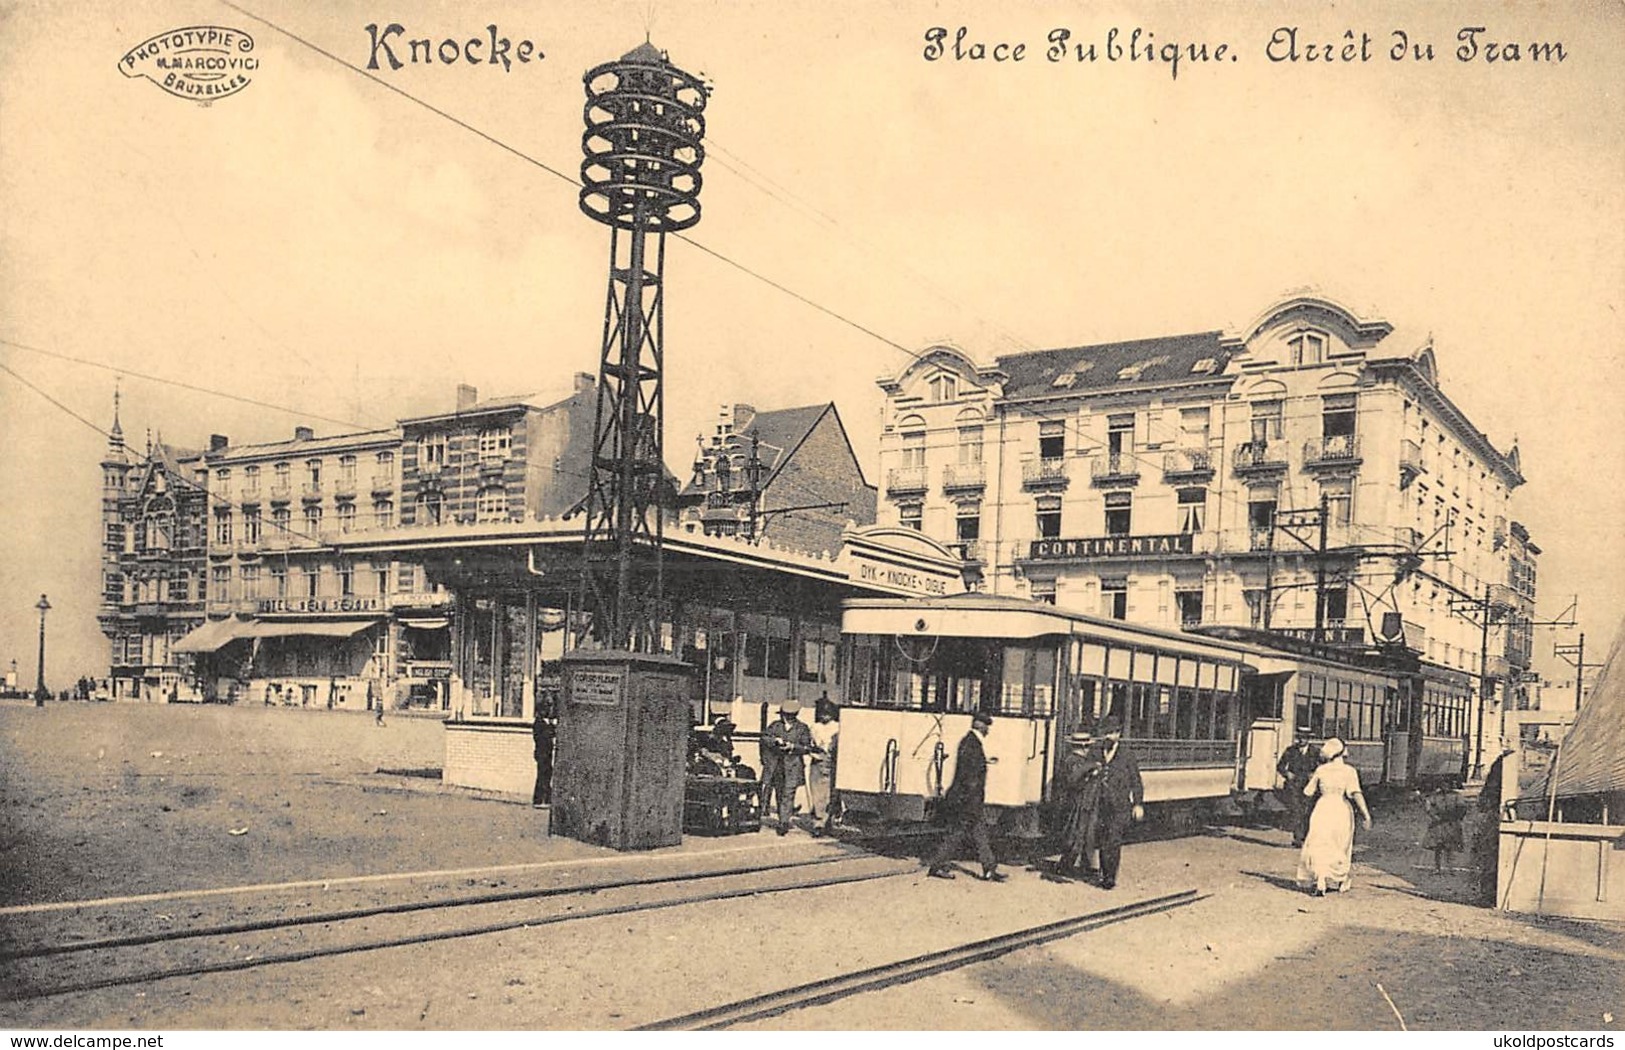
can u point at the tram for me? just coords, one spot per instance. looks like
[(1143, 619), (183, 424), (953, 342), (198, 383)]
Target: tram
[(1207, 714)]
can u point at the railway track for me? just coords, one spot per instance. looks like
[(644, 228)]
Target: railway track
[(903, 971), (70, 966)]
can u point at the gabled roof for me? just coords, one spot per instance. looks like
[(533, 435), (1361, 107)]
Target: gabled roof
[(1161, 361), (781, 431)]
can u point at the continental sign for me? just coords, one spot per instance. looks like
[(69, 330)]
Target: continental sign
[(1111, 547)]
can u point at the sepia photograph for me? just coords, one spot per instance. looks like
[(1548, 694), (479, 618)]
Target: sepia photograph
[(586, 517)]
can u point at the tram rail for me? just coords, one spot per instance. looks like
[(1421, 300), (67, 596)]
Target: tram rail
[(101, 954), (904, 971)]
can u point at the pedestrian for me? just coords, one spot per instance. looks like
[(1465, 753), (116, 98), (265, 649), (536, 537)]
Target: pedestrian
[(784, 743), (825, 729), (1080, 805), (962, 806), (1445, 813), (1298, 763), (1487, 834), (1328, 850), (1122, 799), (542, 735)]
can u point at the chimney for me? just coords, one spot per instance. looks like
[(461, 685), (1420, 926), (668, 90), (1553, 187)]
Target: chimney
[(743, 415), (303, 433), (584, 382), (466, 397), (218, 442)]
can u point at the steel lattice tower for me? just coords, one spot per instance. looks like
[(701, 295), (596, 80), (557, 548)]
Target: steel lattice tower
[(640, 177)]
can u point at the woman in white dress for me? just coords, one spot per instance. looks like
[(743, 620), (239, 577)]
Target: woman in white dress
[(1328, 849)]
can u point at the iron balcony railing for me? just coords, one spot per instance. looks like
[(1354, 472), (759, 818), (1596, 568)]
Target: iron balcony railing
[(963, 476), (1260, 457), (906, 479), (1332, 450), (1112, 468), (1187, 464), (1044, 473)]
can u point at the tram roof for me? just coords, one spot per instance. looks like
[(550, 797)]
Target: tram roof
[(1023, 618)]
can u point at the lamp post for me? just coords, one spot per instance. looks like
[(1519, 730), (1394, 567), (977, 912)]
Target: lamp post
[(44, 606)]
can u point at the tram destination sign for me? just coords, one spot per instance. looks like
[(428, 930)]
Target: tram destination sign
[(1111, 547)]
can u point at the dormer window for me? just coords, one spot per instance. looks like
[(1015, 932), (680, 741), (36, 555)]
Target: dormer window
[(1203, 367), (1065, 380), (944, 388), (1306, 348)]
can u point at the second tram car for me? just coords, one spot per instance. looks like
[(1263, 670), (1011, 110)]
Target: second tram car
[(1207, 714)]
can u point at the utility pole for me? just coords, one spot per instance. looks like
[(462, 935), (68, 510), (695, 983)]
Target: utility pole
[(1578, 652), (1287, 521), (44, 606), (1320, 575)]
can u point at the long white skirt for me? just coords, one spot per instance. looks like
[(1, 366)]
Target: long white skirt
[(1328, 849)]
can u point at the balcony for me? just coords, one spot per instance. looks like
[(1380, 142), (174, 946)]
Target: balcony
[(964, 477), (280, 492), (383, 484), (250, 497), (968, 550), (1114, 469), (1260, 458), (1187, 465), (1410, 463), (902, 481), (1258, 537), (311, 493), (344, 488), (1044, 474), (1335, 452)]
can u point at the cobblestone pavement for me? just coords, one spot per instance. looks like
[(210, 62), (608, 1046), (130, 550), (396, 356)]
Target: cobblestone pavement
[(88, 809)]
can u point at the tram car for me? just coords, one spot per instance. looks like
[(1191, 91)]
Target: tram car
[(1207, 714)]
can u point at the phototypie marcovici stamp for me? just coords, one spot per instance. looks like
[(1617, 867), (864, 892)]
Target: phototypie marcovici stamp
[(201, 63)]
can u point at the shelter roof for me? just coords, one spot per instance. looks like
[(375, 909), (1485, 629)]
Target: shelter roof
[(1592, 759)]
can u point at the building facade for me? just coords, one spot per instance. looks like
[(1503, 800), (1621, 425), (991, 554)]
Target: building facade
[(786, 476), (154, 565), (1305, 475)]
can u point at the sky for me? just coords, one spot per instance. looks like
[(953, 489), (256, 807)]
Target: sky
[(321, 241)]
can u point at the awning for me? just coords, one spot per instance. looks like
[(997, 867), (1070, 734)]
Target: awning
[(212, 635), (311, 629), (427, 623)]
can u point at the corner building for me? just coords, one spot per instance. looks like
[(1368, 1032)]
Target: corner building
[(1306, 475)]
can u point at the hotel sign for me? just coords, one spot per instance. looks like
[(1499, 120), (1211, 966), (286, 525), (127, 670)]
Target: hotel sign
[(353, 604), (1111, 547)]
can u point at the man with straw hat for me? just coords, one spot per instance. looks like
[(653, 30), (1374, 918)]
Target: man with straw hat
[(1080, 804), (784, 744)]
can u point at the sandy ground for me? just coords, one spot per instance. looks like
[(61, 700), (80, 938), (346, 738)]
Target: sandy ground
[(88, 809)]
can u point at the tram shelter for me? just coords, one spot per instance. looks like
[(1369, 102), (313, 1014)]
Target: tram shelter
[(759, 624)]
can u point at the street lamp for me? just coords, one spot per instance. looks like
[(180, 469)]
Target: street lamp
[(44, 606)]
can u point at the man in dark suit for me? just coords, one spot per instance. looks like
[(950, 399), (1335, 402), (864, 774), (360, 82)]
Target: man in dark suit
[(784, 746), (1298, 763), (541, 731), (1122, 799), (961, 807)]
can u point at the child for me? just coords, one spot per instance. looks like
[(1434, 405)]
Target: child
[(1445, 812)]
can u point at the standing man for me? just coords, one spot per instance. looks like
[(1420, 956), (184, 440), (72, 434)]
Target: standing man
[(1298, 763), (787, 739), (541, 732), (962, 806), (1080, 785), (1122, 798)]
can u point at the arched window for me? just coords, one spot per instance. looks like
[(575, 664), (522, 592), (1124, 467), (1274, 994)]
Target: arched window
[(160, 522), (429, 508), (944, 387), (913, 431)]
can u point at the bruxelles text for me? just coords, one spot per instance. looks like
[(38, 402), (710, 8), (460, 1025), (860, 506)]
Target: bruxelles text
[(1286, 44)]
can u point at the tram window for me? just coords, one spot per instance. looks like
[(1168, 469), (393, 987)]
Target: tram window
[(1224, 708), (1094, 660), (1187, 672), (1200, 725), (1167, 671), (778, 658), (1088, 700), (755, 654), (1142, 715), (1186, 717), (1118, 706), (1117, 661)]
